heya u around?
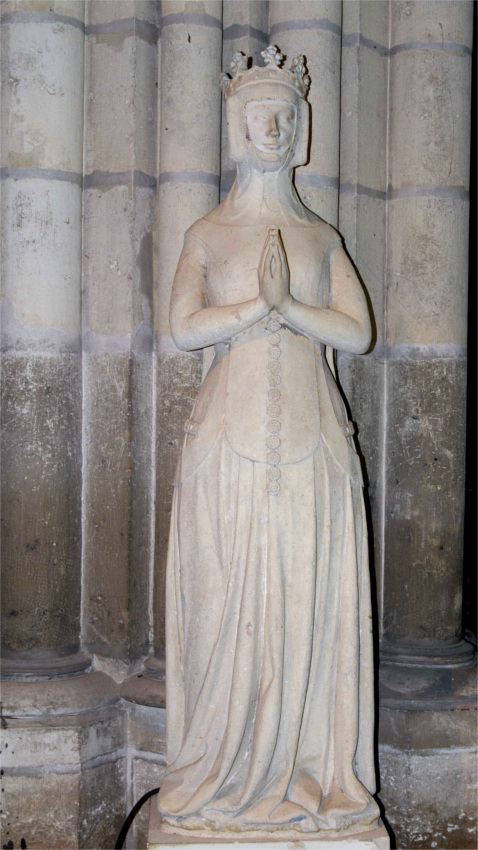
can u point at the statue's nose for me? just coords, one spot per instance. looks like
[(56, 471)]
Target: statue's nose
[(273, 129)]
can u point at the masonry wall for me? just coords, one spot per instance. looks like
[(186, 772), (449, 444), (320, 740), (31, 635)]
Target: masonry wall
[(113, 143)]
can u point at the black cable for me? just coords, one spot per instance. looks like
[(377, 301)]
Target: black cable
[(129, 820)]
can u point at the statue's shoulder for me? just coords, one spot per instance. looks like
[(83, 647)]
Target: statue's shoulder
[(327, 235), (325, 231), (201, 229)]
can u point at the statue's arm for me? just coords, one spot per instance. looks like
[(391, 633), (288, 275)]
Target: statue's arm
[(345, 324), (193, 323)]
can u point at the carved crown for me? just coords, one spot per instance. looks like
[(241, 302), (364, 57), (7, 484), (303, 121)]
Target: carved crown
[(272, 72)]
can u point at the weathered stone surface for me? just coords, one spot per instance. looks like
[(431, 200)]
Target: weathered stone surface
[(424, 478), (143, 486), (70, 8), (107, 450), (73, 696), (427, 293), (430, 796), (42, 94), (101, 12), (432, 154), (363, 113), (41, 807), (41, 415), (178, 379), (427, 708), (147, 774), (102, 803), (433, 21), (362, 379), (184, 46), (120, 81), (41, 262), (63, 764)]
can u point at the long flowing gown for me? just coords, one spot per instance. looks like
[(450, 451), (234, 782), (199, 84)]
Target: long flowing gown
[(269, 646)]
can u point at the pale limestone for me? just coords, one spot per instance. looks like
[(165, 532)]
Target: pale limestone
[(439, 112), (435, 20), (365, 108), (42, 95), (70, 8), (107, 11), (120, 105), (107, 278), (370, 19), (268, 462), (201, 89), (41, 258), (427, 301)]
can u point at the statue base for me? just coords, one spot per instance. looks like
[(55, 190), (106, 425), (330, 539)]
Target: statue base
[(374, 839)]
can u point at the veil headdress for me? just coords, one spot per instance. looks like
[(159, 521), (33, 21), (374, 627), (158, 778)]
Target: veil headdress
[(263, 192), (270, 82)]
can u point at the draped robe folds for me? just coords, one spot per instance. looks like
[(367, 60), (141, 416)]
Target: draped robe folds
[(269, 642)]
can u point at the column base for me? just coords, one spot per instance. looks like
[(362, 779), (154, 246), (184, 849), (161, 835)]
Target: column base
[(155, 667), (427, 754), (38, 665), (456, 655)]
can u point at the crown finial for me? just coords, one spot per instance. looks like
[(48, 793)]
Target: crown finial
[(239, 63), (272, 56), (300, 71)]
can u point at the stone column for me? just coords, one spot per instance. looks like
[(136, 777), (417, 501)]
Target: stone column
[(245, 29), (362, 223), (425, 326), (118, 367), (42, 136), (190, 110), (314, 28)]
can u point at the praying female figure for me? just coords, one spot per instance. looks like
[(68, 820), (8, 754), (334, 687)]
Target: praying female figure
[(269, 643)]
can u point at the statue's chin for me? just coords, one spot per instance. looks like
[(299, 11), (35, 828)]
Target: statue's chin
[(270, 160)]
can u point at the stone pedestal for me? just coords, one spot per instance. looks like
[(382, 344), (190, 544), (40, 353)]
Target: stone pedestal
[(376, 839)]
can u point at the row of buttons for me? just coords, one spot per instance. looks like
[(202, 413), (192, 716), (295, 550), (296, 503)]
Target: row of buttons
[(273, 410)]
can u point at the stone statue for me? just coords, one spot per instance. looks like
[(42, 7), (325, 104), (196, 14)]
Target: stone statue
[(269, 644)]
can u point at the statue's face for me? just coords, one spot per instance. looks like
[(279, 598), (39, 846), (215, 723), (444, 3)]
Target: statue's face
[(271, 126)]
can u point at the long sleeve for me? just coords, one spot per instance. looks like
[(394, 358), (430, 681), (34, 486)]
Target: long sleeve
[(194, 324), (345, 323)]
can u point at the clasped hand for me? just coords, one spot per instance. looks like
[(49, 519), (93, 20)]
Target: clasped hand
[(273, 272)]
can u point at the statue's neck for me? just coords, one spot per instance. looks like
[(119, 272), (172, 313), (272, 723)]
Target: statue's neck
[(266, 196), (263, 197)]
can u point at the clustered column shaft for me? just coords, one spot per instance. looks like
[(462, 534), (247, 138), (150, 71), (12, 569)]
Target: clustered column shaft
[(42, 134), (117, 317), (190, 111), (425, 326)]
